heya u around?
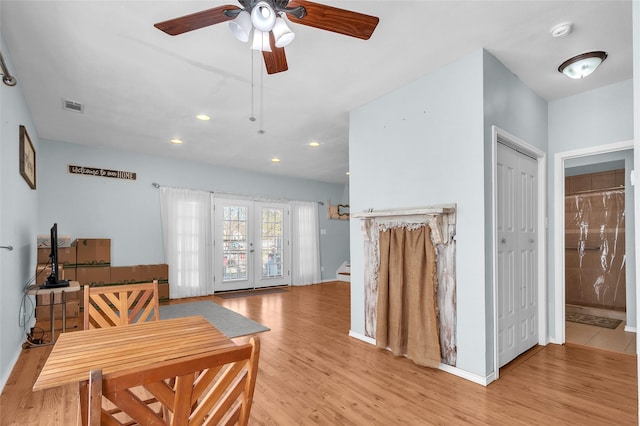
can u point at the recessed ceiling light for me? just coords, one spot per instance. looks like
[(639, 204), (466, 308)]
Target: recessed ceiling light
[(203, 117), (275, 160), (176, 141), (561, 30), (314, 144)]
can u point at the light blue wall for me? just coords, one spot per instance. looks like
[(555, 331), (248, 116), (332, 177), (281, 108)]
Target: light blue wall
[(516, 109), (18, 219), (598, 117), (422, 145), (128, 212)]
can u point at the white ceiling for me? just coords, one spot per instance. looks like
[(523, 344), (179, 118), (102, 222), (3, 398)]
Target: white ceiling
[(141, 87)]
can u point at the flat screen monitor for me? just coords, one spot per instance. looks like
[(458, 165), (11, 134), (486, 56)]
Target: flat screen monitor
[(54, 280)]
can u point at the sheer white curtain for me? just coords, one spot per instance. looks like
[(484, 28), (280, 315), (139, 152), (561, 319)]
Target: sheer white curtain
[(305, 244), (188, 241)]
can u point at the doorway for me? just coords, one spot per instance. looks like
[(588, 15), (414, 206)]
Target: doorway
[(251, 240), (597, 192), (576, 158)]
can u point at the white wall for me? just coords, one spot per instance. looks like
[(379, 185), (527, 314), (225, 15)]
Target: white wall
[(598, 117), (128, 212), (417, 146), (18, 219)]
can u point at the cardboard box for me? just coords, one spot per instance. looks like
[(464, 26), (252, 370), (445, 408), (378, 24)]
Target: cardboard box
[(44, 270), (72, 311), (93, 275), (70, 273), (139, 274), (45, 241), (66, 255), (93, 251), (163, 291), (126, 274), (158, 272)]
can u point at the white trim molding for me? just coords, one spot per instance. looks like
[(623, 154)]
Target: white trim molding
[(558, 228), (484, 381)]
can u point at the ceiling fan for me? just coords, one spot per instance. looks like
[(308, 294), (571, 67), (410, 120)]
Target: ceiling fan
[(264, 20)]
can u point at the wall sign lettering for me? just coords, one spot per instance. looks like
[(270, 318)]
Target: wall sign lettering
[(93, 171)]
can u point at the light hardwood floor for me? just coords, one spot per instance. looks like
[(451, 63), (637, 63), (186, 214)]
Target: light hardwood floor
[(311, 372)]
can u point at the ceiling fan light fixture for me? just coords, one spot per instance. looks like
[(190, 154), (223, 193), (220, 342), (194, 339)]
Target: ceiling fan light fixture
[(581, 66), (261, 41), (263, 16), (281, 32), (241, 26)]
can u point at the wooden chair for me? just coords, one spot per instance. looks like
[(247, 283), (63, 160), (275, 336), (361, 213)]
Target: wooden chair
[(110, 306), (211, 388)]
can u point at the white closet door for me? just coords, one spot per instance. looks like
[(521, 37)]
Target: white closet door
[(517, 254)]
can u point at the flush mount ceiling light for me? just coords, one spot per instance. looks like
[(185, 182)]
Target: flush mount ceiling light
[(582, 65)]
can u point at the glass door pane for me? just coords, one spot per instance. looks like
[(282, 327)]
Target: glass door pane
[(233, 245), (273, 243)]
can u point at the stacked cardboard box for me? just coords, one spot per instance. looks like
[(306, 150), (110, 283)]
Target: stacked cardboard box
[(88, 261)]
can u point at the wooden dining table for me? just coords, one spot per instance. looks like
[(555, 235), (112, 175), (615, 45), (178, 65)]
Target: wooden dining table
[(126, 347)]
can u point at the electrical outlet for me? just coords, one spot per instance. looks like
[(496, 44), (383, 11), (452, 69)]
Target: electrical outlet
[(322, 269)]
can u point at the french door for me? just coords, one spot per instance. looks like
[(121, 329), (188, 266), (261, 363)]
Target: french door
[(251, 241)]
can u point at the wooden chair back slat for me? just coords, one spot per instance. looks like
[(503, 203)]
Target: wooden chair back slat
[(196, 396), (111, 306)]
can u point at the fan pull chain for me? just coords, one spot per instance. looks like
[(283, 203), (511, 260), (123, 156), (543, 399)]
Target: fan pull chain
[(261, 129), (252, 117)]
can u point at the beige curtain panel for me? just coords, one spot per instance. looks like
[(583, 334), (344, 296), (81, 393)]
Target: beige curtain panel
[(407, 321)]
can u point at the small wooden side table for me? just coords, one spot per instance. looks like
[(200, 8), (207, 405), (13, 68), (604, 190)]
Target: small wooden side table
[(35, 290)]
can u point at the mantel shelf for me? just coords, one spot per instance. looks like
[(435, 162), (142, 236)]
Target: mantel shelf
[(421, 211)]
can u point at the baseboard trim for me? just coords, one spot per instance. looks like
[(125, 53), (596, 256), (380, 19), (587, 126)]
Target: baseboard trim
[(630, 329), (484, 381), (362, 337)]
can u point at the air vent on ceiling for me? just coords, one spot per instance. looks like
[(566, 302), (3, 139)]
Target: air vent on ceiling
[(72, 106)]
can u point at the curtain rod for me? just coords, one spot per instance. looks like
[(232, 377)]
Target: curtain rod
[(7, 78), (593, 191), (157, 185)]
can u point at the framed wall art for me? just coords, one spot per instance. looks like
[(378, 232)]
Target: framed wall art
[(27, 158)]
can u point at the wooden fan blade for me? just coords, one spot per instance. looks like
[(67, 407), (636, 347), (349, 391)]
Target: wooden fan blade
[(196, 20), (330, 18), (276, 60)]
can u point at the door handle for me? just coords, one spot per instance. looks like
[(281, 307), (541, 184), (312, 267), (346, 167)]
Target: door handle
[(503, 241), (9, 248)]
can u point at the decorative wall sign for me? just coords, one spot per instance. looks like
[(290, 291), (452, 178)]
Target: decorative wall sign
[(27, 158), (93, 171)]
